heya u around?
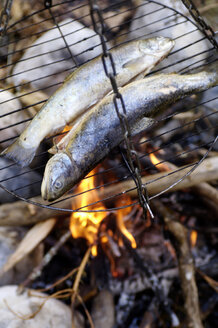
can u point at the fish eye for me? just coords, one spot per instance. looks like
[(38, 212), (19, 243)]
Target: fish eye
[(58, 184)]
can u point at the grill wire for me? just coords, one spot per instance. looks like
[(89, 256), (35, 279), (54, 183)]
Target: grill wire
[(189, 61)]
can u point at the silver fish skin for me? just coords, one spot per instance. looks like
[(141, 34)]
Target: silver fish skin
[(83, 88), (100, 131)]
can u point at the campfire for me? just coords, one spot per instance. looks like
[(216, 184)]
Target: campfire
[(88, 224), (133, 243)]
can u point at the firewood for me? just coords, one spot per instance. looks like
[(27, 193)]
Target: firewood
[(186, 266), (22, 213), (33, 237), (186, 272), (207, 171)]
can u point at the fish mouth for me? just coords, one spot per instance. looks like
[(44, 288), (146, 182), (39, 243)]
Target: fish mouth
[(46, 193), (57, 170), (44, 190), (47, 196)]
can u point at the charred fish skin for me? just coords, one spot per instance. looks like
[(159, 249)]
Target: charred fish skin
[(84, 88), (100, 130)]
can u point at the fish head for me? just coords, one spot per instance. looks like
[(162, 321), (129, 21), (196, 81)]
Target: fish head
[(57, 177), (149, 53), (153, 51), (157, 46)]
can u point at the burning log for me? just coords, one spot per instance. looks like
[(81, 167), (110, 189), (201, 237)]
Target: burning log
[(21, 213)]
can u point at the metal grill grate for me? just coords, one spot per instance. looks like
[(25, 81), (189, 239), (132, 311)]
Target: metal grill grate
[(195, 47)]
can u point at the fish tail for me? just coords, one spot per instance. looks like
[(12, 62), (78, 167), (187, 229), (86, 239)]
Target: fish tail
[(212, 67), (211, 71), (19, 154), (53, 150)]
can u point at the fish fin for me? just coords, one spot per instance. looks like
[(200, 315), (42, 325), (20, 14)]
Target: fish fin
[(53, 150), (19, 154), (141, 125), (134, 63)]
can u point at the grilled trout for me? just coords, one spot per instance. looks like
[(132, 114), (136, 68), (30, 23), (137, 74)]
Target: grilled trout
[(100, 131), (85, 87)]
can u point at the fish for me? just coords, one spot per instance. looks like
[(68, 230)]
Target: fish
[(99, 131), (83, 88)]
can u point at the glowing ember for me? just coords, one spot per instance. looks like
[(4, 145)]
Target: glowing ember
[(193, 237)]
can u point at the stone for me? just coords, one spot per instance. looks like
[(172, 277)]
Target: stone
[(103, 310), (14, 308), (47, 62), (10, 238), (8, 104), (152, 19)]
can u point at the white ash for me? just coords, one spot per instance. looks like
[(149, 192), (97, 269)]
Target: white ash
[(188, 275), (125, 304), (140, 282)]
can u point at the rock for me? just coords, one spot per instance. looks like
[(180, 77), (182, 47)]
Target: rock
[(154, 20), (48, 61), (29, 182), (10, 238), (103, 310), (50, 313), (7, 105)]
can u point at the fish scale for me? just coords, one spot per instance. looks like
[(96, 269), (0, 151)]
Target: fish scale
[(99, 130), (82, 89)]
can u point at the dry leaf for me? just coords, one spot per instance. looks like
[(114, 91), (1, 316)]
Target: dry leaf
[(33, 237)]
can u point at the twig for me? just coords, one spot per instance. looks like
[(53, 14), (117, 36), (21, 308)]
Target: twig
[(86, 312), (71, 273), (21, 213), (46, 259), (186, 269), (208, 7), (206, 190), (79, 275), (76, 287)]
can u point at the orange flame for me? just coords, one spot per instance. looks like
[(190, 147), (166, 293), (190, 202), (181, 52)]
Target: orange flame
[(58, 138), (121, 214), (162, 167), (86, 224), (193, 237)]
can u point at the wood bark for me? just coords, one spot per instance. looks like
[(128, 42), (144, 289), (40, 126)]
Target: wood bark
[(22, 213), (186, 272)]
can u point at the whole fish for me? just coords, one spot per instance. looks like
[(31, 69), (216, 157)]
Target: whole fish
[(100, 130), (84, 88)]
